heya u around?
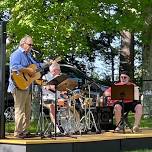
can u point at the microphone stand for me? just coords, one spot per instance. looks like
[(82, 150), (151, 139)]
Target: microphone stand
[(55, 115)]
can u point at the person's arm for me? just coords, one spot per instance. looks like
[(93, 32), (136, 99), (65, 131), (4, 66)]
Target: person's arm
[(28, 70), (50, 87), (136, 93), (15, 64), (107, 97)]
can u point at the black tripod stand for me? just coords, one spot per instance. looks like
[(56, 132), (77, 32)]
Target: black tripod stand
[(42, 118), (122, 93)]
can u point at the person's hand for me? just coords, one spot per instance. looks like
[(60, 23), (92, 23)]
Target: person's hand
[(30, 71), (50, 87), (107, 94)]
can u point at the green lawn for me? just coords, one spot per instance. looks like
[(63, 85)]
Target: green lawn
[(145, 123)]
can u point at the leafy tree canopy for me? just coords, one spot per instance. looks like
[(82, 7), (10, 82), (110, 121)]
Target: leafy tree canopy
[(61, 27)]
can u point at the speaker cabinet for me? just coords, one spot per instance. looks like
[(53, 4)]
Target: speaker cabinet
[(104, 118)]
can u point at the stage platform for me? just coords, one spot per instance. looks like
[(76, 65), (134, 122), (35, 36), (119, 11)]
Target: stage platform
[(104, 142)]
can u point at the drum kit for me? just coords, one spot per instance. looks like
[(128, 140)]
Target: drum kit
[(67, 112)]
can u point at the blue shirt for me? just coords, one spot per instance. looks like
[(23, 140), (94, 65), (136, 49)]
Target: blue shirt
[(18, 60)]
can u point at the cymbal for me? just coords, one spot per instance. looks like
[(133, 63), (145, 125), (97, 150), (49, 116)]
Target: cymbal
[(67, 84)]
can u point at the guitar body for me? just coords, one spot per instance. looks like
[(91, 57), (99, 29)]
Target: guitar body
[(23, 80)]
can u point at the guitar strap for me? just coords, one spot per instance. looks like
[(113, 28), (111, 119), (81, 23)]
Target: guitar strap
[(29, 59), (29, 62)]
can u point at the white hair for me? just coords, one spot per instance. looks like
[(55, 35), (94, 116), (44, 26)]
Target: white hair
[(54, 66), (24, 39)]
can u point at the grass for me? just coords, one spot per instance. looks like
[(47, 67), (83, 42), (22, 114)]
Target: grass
[(145, 123)]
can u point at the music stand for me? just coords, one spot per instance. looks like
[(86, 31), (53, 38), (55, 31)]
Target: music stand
[(56, 81), (121, 93)]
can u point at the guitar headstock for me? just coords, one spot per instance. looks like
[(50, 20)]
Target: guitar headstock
[(56, 60)]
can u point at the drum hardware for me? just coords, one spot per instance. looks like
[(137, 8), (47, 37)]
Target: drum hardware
[(76, 119), (72, 117), (88, 119), (68, 121), (57, 81)]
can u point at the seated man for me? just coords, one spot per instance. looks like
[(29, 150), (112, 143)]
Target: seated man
[(48, 91), (134, 106)]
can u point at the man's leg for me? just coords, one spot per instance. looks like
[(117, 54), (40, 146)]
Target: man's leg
[(27, 112), (19, 105), (117, 112), (52, 113), (138, 115), (52, 116)]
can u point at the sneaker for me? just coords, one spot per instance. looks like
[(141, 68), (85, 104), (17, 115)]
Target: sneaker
[(57, 130), (135, 129), (118, 129), (27, 133), (20, 136)]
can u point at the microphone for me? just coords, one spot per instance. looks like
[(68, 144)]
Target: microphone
[(35, 51)]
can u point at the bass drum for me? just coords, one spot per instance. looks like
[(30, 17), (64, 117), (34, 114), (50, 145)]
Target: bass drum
[(68, 120)]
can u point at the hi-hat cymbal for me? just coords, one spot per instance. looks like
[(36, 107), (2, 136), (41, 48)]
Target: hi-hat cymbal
[(67, 84)]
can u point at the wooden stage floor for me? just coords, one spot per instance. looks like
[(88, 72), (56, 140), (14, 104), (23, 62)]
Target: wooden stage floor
[(107, 141)]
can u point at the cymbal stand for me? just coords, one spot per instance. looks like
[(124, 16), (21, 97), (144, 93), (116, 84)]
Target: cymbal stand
[(42, 118), (55, 117), (88, 116), (76, 123), (68, 120)]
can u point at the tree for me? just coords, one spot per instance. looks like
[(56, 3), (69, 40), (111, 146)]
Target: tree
[(57, 27), (127, 53), (147, 62)]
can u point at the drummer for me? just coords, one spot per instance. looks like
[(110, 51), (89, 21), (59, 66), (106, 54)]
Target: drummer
[(49, 91)]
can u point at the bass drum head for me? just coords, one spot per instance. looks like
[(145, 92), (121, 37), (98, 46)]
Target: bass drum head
[(69, 120)]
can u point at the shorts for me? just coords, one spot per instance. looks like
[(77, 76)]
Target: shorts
[(130, 106), (47, 103)]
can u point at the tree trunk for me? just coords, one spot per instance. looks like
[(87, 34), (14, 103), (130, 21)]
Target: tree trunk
[(127, 53)]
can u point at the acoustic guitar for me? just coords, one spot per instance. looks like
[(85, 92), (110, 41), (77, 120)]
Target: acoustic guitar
[(23, 80)]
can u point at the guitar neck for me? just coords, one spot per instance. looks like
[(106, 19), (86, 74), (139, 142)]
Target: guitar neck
[(46, 65)]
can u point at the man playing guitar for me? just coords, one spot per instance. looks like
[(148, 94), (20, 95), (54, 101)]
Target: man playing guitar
[(20, 60)]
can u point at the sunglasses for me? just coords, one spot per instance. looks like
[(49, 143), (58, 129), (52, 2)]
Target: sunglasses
[(29, 44), (123, 77)]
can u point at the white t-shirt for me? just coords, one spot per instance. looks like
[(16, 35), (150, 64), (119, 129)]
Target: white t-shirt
[(47, 94)]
